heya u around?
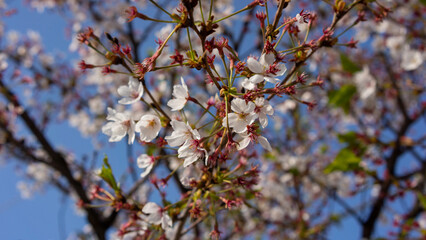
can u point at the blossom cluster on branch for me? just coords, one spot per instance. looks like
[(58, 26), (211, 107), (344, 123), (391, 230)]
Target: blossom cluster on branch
[(251, 119)]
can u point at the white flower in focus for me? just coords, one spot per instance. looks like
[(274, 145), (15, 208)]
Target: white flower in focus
[(148, 126), (262, 109), (120, 124), (265, 69), (182, 132), (242, 116), (156, 215), (250, 135), (131, 93), (180, 94), (147, 162), (191, 152), (411, 59), (186, 137), (247, 84)]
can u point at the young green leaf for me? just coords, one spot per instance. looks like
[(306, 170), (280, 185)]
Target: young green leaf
[(107, 176), (345, 161), (342, 97)]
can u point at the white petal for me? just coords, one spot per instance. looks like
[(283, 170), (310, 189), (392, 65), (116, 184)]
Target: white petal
[(151, 207), (254, 65), (176, 104), (238, 105), (175, 141), (269, 59), (247, 84), (153, 211), (240, 127), (126, 101), (264, 143), (124, 91), (180, 92), (282, 69), (134, 83), (148, 126), (166, 221), (143, 161), (257, 78), (189, 160), (182, 81), (249, 107), (243, 143), (178, 125), (147, 171), (268, 109), (131, 133), (271, 79), (263, 120)]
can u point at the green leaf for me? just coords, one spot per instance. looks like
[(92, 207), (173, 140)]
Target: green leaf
[(107, 176), (348, 65), (423, 2), (353, 142), (348, 137), (342, 97), (345, 161)]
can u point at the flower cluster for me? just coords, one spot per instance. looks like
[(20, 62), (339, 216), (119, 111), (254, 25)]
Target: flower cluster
[(270, 121)]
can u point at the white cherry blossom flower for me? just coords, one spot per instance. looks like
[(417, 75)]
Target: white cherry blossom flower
[(180, 94), (242, 116), (147, 162), (148, 126), (262, 109), (131, 93), (250, 135), (120, 124), (182, 132), (188, 140), (265, 69), (157, 215), (191, 151), (247, 84)]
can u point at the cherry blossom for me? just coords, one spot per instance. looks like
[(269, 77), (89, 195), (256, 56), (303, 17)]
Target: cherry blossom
[(180, 92), (242, 116), (262, 109), (246, 138), (157, 215), (120, 124), (182, 133), (191, 151), (147, 162), (265, 69), (148, 126), (130, 93)]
